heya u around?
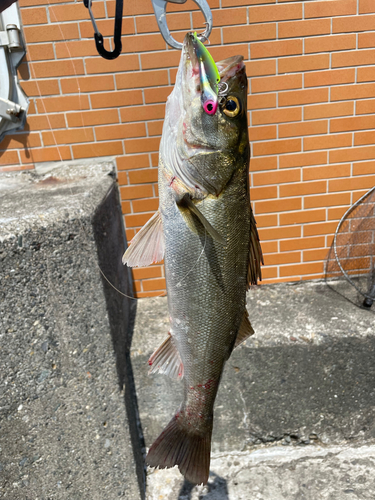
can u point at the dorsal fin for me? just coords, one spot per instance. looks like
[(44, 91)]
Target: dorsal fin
[(147, 246), (255, 254), (245, 331)]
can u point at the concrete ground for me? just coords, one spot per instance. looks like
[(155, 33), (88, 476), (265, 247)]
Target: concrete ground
[(294, 417)]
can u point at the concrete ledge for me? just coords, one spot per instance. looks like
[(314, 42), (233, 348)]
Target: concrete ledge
[(306, 378), (65, 337)]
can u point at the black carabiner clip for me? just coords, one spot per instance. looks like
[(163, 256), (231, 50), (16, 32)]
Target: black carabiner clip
[(99, 41)]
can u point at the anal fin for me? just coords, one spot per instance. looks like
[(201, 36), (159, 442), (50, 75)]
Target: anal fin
[(166, 359), (147, 246), (245, 331)]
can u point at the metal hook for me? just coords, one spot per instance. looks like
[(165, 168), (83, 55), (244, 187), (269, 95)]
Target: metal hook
[(160, 9)]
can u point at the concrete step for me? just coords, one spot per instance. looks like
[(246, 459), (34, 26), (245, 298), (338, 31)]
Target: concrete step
[(306, 378)]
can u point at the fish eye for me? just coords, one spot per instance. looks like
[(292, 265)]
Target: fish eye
[(232, 106)]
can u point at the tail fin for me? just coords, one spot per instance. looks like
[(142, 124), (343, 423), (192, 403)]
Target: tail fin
[(177, 445)]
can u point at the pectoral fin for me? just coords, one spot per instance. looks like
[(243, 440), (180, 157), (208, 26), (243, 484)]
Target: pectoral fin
[(188, 210), (166, 359), (245, 331), (255, 255), (147, 246)]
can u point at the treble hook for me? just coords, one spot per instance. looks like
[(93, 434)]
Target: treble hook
[(160, 9)]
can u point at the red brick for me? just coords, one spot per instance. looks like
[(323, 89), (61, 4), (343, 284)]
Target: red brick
[(366, 40), (269, 247), (141, 79), (43, 122), (41, 87), (87, 118), (314, 255), (303, 159), (336, 213), (285, 205), (26, 140), (366, 74), (352, 123), (143, 176), (303, 63), (137, 220), (266, 220), (159, 59), (303, 217), (122, 179), (129, 162), (302, 188), (232, 3), (328, 110), (330, 43), (353, 23), (326, 172), (34, 16), (250, 33), (353, 58), (37, 155), (50, 33), (302, 269), (97, 149), (150, 205), (268, 272), (63, 103), (75, 12), (279, 12), (144, 43), (262, 50), (30, 3), (77, 48), (158, 94), (40, 52), (276, 116), (366, 6), (365, 107), (331, 77), (352, 184), (295, 97), (327, 142), (223, 17), (259, 68), (155, 128), (274, 259), (142, 145), (326, 200), (87, 84), (352, 154), (299, 29), (267, 84), (124, 131), (47, 69), (8, 157), (116, 99), (279, 233), (263, 193), (302, 243), (141, 113), (67, 136), (125, 62), (148, 272), (303, 128), (135, 192), (367, 167), (276, 177), (264, 163), (15, 168), (276, 147), (261, 101), (105, 27), (330, 8), (317, 229), (176, 21)]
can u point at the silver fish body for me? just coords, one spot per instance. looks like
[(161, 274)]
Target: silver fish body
[(211, 253)]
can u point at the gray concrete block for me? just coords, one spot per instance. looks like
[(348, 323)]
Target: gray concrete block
[(69, 425), (305, 379)]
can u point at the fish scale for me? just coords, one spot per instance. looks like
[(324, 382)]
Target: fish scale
[(205, 231)]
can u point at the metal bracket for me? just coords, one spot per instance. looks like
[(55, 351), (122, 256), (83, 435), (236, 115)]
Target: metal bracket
[(11, 38), (11, 111)]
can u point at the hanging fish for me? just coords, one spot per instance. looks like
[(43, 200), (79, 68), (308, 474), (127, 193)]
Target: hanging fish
[(206, 233)]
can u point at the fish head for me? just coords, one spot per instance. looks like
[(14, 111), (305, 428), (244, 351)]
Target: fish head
[(208, 145)]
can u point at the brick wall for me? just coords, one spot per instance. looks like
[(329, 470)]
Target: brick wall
[(312, 110)]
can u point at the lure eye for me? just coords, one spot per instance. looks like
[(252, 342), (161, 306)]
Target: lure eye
[(210, 107), (232, 106)]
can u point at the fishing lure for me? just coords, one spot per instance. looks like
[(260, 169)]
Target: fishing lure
[(209, 77)]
